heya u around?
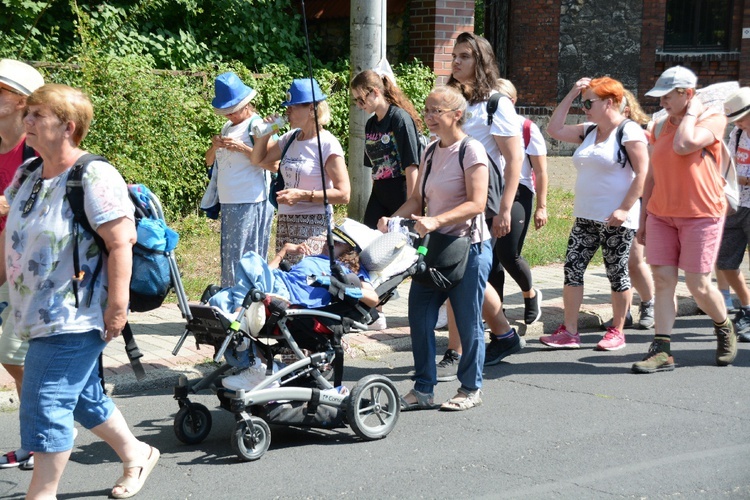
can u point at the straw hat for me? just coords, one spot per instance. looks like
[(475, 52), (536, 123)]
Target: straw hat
[(737, 105), (231, 94), (19, 77)]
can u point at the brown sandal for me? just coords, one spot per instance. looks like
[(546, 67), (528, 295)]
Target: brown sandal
[(132, 485)]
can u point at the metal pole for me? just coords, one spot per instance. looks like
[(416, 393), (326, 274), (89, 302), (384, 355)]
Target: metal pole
[(367, 44)]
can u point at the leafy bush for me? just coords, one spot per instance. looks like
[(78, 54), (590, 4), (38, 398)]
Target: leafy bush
[(175, 34)]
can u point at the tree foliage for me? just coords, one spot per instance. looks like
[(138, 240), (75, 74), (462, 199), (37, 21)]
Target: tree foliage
[(153, 123), (174, 34)]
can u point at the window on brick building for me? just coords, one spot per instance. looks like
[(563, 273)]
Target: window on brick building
[(698, 24)]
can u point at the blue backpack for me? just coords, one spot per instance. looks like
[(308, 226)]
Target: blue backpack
[(151, 275)]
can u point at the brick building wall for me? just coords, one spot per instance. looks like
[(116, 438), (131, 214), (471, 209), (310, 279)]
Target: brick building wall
[(534, 40), (433, 26), (711, 67)]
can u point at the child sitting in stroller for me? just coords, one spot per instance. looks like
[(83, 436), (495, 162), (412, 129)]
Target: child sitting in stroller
[(294, 285)]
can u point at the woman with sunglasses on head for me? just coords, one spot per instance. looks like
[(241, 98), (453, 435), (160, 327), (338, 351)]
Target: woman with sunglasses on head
[(454, 198), (392, 146), (474, 73), (607, 207), (302, 214), (68, 326)]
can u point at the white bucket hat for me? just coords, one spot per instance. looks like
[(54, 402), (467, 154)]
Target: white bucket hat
[(19, 77), (737, 105)]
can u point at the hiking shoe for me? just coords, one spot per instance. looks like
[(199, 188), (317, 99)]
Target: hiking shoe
[(613, 340), (498, 349), (646, 320), (562, 339), (532, 308), (742, 325), (655, 361), (447, 368), (628, 322), (726, 345)]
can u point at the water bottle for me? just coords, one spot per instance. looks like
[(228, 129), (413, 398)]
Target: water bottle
[(262, 129)]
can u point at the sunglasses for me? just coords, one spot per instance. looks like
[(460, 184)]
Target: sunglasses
[(587, 103), (32, 199), (361, 99)]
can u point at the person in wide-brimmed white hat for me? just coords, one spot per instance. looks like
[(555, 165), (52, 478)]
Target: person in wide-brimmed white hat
[(683, 219), (241, 184), (737, 226), (17, 81)]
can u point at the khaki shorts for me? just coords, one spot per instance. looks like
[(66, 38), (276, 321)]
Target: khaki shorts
[(12, 349)]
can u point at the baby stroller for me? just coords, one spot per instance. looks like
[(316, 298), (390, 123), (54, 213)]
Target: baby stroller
[(299, 394)]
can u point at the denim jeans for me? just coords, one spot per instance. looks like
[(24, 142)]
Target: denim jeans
[(61, 383), (467, 299)]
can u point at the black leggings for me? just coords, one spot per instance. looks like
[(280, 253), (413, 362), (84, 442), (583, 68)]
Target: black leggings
[(506, 252), (387, 196)]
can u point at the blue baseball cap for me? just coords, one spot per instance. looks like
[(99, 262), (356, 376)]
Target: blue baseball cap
[(231, 94), (301, 93)]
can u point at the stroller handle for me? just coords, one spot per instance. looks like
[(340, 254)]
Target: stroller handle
[(254, 295), (422, 246)]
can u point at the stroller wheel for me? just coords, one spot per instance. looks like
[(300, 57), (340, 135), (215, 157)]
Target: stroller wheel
[(251, 445), (192, 423), (373, 407)]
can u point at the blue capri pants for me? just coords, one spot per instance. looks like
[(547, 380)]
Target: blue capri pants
[(61, 384), (467, 299)]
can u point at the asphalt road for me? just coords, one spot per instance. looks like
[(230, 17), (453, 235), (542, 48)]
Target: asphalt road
[(555, 424)]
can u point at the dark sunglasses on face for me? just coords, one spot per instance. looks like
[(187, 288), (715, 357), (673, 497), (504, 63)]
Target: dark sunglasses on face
[(587, 103), (361, 99)]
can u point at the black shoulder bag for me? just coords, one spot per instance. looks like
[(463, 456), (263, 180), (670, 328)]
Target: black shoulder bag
[(445, 256)]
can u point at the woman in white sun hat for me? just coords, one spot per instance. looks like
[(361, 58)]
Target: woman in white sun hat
[(242, 185), (683, 219), (737, 226)]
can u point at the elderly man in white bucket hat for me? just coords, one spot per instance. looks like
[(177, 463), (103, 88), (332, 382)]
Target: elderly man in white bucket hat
[(241, 185), (17, 81), (737, 226)]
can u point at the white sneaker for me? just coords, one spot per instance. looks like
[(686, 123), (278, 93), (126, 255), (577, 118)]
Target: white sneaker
[(442, 320), (378, 324)]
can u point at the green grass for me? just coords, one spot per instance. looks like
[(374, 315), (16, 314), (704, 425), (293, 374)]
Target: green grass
[(548, 245), (198, 250)]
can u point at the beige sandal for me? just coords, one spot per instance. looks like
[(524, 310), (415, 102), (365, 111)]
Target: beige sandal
[(132, 485), (463, 401)]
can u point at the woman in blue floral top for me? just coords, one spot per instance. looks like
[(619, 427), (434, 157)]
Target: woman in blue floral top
[(66, 333)]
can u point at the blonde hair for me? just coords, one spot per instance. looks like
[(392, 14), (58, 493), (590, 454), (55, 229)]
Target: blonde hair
[(631, 108), (506, 87), (68, 104), (452, 98), (323, 112)]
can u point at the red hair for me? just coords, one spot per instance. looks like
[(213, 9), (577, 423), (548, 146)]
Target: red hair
[(608, 88)]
